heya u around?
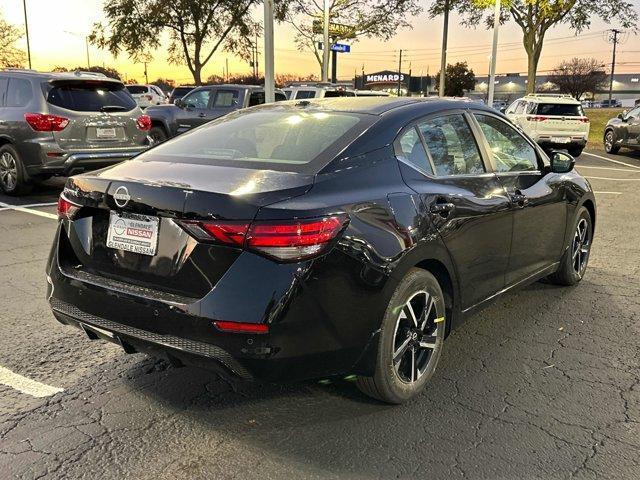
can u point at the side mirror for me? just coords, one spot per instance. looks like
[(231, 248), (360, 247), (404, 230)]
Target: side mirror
[(179, 103), (623, 116), (562, 162)]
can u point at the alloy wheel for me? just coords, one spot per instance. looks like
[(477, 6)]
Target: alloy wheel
[(8, 171), (581, 246), (416, 337), (608, 141)]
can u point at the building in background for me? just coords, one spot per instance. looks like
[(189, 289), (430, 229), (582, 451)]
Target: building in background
[(387, 80)]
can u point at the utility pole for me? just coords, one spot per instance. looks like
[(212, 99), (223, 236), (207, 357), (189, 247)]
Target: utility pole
[(613, 38), (226, 63), (443, 61), (86, 41), (334, 66), (325, 40), (399, 70), (494, 53), (269, 69), (146, 73), (26, 29)]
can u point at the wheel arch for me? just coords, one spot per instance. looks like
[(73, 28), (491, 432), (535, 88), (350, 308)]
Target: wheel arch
[(591, 207), (444, 277)]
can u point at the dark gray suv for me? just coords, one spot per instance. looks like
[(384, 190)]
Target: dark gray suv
[(64, 123)]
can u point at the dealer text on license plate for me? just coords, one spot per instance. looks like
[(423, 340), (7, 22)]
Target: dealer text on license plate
[(133, 233)]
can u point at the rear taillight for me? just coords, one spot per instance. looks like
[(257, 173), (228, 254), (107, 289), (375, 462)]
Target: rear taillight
[(283, 240), (144, 122), (584, 119), (41, 122), (537, 118), (67, 209)]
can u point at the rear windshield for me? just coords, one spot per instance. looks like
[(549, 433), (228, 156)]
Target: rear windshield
[(560, 109), (137, 89), (89, 97), (286, 140)]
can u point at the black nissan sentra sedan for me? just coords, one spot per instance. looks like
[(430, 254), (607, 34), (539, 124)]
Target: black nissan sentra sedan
[(319, 238)]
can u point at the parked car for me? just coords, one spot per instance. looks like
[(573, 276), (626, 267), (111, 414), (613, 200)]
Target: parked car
[(62, 124), (623, 131), (179, 92), (552, 120), (613, 103), (202, 105), (314, 239), (147, 95), (307, 91)]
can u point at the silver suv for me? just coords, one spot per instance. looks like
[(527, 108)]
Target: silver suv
[(64, 123)]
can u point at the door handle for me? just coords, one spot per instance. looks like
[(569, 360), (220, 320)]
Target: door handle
[(519, 199), (442, 208), (202, 115)]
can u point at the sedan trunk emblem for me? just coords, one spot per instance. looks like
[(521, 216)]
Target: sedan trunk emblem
[(121, 197)]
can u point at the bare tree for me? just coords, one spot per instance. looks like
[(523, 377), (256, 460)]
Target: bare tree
[(10, 55), (367, 18), (578, 76)]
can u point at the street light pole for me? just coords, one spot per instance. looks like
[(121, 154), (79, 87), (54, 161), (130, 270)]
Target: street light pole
[(86, 41), (269, 82), (443, 61), (494, 53), (26, 28), (325, 39)]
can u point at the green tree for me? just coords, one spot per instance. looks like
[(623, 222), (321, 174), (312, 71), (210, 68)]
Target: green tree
[(10, 55), (578, 76), (197, 29), (164, 84), (536, 17), (458, 78), (367, 18)]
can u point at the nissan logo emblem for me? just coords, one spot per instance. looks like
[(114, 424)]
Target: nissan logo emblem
[(121, 197)]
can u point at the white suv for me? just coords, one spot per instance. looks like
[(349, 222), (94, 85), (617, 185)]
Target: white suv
[(306, 91), (147, 95), (552, 120)]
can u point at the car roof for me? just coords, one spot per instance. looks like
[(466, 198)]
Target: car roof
[(551, 98)]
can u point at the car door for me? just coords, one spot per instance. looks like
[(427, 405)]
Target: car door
[(538, 199), (632, 127), (441, 161), (195, 109)]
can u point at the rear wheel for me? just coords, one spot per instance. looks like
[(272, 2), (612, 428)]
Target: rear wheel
[(158, 135), (13, 177), (610, 142), (575, 259), (411, 340)]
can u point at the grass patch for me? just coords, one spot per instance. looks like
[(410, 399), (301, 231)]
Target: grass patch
[(599, 118)]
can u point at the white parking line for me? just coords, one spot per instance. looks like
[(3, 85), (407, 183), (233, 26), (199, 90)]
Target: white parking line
[(26, 385), (608, 193), (614, 179), (608, 168), (28, 209), (611, 160)]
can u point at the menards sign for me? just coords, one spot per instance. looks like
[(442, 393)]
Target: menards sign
[(337, 30)]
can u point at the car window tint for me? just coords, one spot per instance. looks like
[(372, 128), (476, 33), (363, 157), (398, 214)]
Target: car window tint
[(256, 98), (510, 151), (302, 94), (226, 99), (3, 90), (520, 107), (560, 109), (280, 97), (90, 96), (197, 99), (635, 113), (137, 89), (19, 92), (452, 146), (413, 150)]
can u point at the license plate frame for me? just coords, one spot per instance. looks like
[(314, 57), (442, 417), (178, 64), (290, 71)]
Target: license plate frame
[(106, 133), (133, 233), (560, 139)]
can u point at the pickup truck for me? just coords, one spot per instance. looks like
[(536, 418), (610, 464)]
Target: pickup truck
[(201, 105)]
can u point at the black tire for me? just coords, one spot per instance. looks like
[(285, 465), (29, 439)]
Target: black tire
[(609, 142), (13, 176), (569, 272), (575, 151), (158, 134), (400, 381)]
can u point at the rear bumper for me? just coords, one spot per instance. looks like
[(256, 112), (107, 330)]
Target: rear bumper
[(76, 162), (574, 141)]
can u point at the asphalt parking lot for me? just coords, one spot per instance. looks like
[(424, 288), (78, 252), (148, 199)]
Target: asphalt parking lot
[(545, 383)]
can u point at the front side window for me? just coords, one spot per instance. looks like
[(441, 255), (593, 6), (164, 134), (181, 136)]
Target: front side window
[(452, 146), (197, 99), (520, 107), (226, 99), (635, 113), (413, 150), (3, 90), (19, 92), (510, 151)]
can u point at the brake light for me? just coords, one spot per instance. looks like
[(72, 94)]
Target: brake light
[(41, 122), (241, 327), (537, 118), (67, 209), (584, 119), (285, 240), (144, 122)]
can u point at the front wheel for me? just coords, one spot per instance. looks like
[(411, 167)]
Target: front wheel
[(157, 135), (610, 142), (573, 264), (411, 340)]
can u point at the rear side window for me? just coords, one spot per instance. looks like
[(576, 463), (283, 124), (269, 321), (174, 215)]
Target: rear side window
[(19, 92), (137, 89), (413, 150), (281, 140), (452, 146), (90, 97), (226, 99), (560, 109)]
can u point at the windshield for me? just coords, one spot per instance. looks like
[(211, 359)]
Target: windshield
[(282, 139), (89, 96), (559, 109)]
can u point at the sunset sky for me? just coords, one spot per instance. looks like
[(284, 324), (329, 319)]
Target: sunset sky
[(51, 46)]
